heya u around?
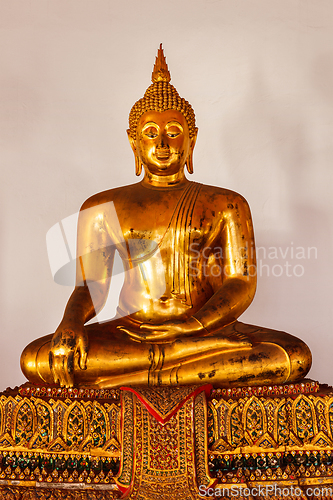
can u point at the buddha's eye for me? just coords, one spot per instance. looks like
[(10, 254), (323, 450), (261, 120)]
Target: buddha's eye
[(173, 131), (151, 132)]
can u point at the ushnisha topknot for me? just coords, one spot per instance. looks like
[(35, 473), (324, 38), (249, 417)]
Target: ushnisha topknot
[(160, 96)]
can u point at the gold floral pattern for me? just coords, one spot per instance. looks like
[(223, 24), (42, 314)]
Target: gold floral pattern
[(124, 450)]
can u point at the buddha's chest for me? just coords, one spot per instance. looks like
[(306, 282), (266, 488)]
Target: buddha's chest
[(166, 231), (168, 219)]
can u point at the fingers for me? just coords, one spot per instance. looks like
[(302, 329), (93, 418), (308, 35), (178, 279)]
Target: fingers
[(69, 370), (233, 341), (70, 363), (153, 328), (138, 335), (83, 352), (62, 353), (122, 329), (50, 360), (83, 360), (62, 369), (59, 370), (53, 371)]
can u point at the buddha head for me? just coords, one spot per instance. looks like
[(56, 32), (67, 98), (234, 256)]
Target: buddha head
[(162, 129)]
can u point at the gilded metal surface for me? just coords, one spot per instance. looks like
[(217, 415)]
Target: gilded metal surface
[(163, 402), (28, 493), (281, 435), (237, 424), (195, 239), (163, 464), (157, 458), (48, 441), (34, 430)]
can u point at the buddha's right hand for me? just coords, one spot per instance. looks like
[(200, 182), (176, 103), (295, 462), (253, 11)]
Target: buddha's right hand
[(67, 343)]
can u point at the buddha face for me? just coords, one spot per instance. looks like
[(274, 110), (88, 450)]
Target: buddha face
[(162, 142)]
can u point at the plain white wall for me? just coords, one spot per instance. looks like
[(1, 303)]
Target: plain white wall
[(259, 74)]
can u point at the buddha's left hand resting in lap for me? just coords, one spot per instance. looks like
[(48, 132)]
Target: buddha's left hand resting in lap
[(187, 251)]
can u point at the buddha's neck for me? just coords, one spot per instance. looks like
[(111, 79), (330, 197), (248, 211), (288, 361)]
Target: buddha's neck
[(164, 181)]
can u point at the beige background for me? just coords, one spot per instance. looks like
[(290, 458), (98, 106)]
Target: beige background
[(259, 74)]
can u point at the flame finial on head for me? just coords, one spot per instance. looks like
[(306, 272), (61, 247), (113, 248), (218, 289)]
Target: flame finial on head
[(160, 72)]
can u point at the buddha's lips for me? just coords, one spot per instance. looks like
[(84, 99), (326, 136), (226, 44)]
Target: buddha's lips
[(163, 155)]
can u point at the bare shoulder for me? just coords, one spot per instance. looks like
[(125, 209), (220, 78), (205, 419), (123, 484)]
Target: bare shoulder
[(114, 195), (224, 199)]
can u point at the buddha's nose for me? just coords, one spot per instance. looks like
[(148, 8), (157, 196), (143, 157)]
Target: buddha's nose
[(162, 144), (162, 151)]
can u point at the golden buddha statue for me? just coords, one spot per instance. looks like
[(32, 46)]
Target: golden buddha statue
[(189, 274)]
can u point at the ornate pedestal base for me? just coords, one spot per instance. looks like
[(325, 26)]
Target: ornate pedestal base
[(167, 443)]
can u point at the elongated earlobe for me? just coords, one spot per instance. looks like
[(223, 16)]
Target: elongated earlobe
[(138, 165), (189, 163), (189, 159)]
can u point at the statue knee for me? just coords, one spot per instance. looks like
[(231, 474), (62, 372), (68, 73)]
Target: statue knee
[(300, 360), (28, 362), (34, 361)]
